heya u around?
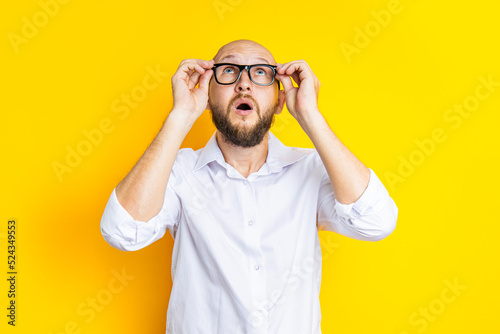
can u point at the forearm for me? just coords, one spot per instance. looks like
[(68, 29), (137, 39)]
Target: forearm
[(142, 191), (348, 175)]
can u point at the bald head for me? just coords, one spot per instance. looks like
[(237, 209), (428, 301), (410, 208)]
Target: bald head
[(230, 51)]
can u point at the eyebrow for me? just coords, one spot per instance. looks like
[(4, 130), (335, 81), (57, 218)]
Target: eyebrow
[(258, 58)]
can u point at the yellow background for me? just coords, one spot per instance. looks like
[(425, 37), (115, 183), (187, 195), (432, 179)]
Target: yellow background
[(395, 90)]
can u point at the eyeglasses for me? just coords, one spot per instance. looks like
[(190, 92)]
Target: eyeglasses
[(260, 74)]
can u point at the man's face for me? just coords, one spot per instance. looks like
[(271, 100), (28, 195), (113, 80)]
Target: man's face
[(244, 128)]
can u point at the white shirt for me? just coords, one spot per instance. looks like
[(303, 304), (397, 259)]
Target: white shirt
[(247, 256)]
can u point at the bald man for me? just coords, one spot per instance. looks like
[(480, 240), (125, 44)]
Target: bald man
[(245, 210)]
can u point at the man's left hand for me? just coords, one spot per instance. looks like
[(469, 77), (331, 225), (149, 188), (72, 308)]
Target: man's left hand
[(302, 101)]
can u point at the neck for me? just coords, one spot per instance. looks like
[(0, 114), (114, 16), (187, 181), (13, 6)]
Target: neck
[(246, 160)]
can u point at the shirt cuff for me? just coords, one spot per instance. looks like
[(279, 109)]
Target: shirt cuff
[(121, 230), (374, 196)]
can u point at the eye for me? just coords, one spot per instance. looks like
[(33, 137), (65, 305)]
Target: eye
[(260, 71), (227, 69)]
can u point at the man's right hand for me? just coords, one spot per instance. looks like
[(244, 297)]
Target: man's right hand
[(189, 101), (142, 191)]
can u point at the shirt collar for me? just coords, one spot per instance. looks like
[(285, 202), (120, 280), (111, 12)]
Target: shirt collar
[(278, 155)]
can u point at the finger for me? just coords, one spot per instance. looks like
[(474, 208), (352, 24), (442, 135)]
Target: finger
[(193, 80), (283, 67), (190, 67), (286, 81), (206, 63), (299, 72), (203, 63), (205, 78), (293, 68), (280, 67), (295, 65), (185, 72), (296, 78)]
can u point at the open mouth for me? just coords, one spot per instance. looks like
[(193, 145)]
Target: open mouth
[(243, 106)]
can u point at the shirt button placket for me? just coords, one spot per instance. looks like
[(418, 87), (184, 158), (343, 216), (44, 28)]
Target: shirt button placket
[(258, 274)]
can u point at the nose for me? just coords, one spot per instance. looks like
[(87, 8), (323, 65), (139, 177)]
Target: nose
[(244, 83)]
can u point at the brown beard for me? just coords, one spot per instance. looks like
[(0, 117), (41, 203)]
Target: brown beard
[(238, 135)]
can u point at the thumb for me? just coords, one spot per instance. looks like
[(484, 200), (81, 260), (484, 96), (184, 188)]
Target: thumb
[(286, 81), (204, 79)]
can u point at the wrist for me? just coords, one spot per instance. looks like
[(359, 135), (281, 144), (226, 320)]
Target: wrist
[(179, 120), (182, 116), (312, 120)]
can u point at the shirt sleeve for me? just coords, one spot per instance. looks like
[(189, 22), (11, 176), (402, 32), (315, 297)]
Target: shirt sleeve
[(371, 218), (125, 233)]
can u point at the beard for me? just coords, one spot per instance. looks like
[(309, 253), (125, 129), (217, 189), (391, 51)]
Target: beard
[(242, 135)]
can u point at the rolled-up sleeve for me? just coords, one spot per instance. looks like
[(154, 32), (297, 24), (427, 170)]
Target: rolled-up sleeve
[(371, 218), (125, 233)]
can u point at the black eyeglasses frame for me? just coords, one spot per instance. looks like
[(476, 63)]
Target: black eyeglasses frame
[(248, 68)]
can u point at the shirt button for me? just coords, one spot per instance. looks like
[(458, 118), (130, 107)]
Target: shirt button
[(250, 222), (261, 312), (256, 267)]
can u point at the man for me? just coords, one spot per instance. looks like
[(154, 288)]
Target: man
[(245, 210)]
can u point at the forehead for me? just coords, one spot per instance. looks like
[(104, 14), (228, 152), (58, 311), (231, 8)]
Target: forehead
[(241, 59), (245, 54)]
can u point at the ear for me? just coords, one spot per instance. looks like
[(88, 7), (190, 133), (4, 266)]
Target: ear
[(208, 97), (281, 101)]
